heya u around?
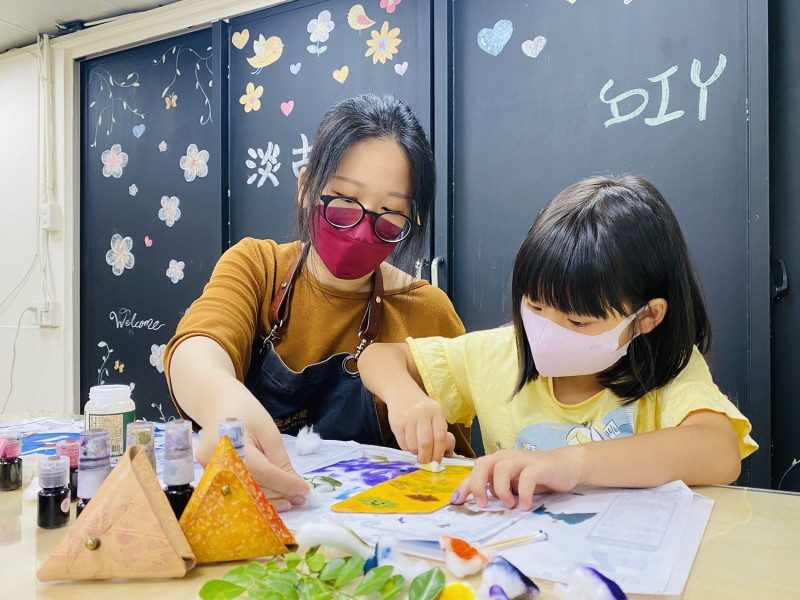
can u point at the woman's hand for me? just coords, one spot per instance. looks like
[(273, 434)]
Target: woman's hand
[(269, 465), (522, 473)]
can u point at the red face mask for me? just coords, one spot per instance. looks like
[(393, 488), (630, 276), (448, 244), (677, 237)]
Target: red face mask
[(349, 253)]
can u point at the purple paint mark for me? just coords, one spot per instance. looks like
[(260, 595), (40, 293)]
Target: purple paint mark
[(368, 471)]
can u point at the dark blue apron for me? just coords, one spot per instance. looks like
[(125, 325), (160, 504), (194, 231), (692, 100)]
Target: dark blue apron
[(328, 395)]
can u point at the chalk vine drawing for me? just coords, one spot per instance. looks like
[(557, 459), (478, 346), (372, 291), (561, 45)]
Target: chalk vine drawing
[(103, 370), (202, 68), (108, 99)]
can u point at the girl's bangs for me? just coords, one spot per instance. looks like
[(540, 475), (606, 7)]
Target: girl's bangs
[(574, 272)]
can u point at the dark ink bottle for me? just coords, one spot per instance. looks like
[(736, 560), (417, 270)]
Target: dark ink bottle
[(94, 465), (54, 497), (70, 448), (178, 464), (10, 462)]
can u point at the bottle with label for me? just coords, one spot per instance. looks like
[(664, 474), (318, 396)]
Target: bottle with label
[(178, 464), (141, 433), (110, 407), (70, 449), (94, 465), (54, 497), (234, 429), (10, 462)]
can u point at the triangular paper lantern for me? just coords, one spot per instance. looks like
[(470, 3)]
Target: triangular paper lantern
[(228, 517), (127, 530)]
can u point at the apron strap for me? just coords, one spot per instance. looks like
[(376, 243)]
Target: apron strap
[(279, 309), (370, 324)]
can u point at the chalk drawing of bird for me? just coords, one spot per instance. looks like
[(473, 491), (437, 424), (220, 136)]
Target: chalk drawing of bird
[(266, 51), (357, 19)]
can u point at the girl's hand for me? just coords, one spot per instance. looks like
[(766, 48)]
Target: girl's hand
[(521, 472), (269, 465), (421, 428)]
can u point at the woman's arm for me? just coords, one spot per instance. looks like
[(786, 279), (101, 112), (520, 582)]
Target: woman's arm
[(702, 450), (204, 383), (418, 422)]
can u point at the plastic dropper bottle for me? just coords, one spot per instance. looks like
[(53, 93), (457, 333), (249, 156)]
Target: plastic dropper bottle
[(178, 464), (94, 465), (234, 429), (70, 448), (54, 497), (140, 433), (10, 462)]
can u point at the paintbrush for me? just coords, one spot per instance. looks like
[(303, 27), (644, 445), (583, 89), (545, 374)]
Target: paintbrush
[(538, 536)]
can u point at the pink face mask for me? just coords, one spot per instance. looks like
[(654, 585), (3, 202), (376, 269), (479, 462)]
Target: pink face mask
[(349, 253), (561, 352)]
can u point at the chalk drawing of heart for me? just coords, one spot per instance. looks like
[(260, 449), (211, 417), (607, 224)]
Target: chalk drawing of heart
[(286, 107), (492, 41), (138, 130), (341, 74), (533, 47), (147, 241), (401, 68), (295, 68), (239, 38)]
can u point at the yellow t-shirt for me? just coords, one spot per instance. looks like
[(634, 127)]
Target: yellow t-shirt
[(476, 374), (233, 310)]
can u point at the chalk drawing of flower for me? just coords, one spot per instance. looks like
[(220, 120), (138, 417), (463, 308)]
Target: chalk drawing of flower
[(157, 356), (321, 27), (133, 190), (175, 270), (390, 5), (250, 98), (169, 211), (114, 161), (162, 147), (120, 256), (194, 163), (384, 44)]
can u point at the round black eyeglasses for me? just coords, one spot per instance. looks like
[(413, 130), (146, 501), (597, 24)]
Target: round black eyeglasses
[(343, 212)]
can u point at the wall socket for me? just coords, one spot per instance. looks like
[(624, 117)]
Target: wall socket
[(48, 313)]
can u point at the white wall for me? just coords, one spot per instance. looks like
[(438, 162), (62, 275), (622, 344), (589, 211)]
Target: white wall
[(46, 368)]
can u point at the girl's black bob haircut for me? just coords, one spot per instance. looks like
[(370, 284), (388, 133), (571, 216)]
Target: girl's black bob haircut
[(362, 118), (609, 245)]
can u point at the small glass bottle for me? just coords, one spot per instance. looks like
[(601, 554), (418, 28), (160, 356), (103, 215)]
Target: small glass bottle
[(140, 433), (10, 462), (234, 429), (110, 407), (54, 497), (70, 448), (94, 465), (178, 464)]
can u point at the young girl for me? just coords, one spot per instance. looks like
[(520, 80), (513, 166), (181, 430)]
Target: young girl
[(601, 380), (276, 334)]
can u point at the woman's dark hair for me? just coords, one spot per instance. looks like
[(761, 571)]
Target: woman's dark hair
[(362, 118), (606, 245)]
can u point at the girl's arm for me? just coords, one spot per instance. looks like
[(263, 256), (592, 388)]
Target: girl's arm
[(205, 385), (702, 450), (418, 422)]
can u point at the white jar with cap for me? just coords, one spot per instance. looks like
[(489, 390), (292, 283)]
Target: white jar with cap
[(110, 407)]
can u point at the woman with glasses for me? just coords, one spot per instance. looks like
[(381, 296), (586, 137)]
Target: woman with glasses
[(277, 333)]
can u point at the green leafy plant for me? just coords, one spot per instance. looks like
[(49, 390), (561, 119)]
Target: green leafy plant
[(313, 577)]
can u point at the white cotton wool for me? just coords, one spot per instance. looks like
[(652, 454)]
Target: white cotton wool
[(308, 441)]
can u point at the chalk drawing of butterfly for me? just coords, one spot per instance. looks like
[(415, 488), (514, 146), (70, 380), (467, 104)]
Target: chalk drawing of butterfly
[(171, 101), (118, 366)]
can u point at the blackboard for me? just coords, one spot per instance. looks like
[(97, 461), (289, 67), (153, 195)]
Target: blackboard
[(150, 209), (321, 58), (534, 91)]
